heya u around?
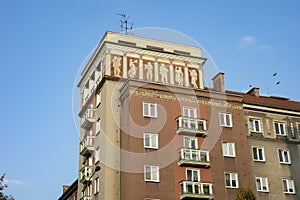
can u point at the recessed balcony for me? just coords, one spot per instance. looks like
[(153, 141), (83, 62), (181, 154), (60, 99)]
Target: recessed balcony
[(191, 126), (193, 157), (88, 118), (196, 190), (87, 146), (85, 174)]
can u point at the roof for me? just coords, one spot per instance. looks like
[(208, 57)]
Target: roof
[(269, 101)]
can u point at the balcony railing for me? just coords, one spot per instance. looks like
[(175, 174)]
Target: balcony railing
[(193, 157), (87, 145), (85, 174), (194, 126), (88, 118), (199, 190)]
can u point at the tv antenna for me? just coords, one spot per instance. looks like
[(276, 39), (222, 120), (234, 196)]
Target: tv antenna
[(125, 26)]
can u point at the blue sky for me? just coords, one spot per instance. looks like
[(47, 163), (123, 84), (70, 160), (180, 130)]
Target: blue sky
[(43, 44)]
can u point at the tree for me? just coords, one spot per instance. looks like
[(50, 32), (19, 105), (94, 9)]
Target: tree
[(245, 194), (3, 186)]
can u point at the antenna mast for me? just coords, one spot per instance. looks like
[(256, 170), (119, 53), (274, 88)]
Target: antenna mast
[(125, 26)]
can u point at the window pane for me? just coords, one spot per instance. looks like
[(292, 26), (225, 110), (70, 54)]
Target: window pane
[(189, 175), (260, 153), (230, 149), (146, 109), (155, 173), (152, 110), (222, 119), (254, 153), (258, 184), (147, 140), (148, 173), (193, 143), (187, 142), (224, 147), (228, 119), (285, 189), (280, 155), (257, 126)]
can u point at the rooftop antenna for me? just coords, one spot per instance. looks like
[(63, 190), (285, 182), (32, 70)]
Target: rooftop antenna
[(125, 26)]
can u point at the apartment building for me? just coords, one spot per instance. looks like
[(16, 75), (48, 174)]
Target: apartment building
[(69, 191), (273, 130), (151, 130)]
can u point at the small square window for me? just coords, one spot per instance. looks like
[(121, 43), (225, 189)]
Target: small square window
[(225, 119), (258, 154), (280, 128), (255, 125), (151, 140), (262, 184), (231, 180), (193, 175), (151, 173), (284, 156), (150, 110), (228, 149), (288, 186)]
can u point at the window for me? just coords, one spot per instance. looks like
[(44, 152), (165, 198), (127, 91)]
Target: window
[(98, 126), (189, 112), (97, 155), (255, 125), (150, 140), (98, 99), (192, 175), (262, 184), (190, 143), (228, 149), (150, 110), (288, 186), (258, 153), (231, 180), (284, 156), (280, 128), (96, 185), (225, 119), (151, 173)]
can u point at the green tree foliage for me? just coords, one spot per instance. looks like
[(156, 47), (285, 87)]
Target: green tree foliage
[(245, 194), (3, 186)]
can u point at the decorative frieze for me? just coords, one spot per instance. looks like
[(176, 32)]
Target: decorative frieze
[(190, 99)]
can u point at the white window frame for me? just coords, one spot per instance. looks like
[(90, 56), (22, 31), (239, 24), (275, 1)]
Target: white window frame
[(193, 178), (225, 119), (189, 110), (98, 99), (190, 142), (289, 186), (147, 105), (97, 155), (263, 184), (232, 177), (226, 149), (96, 185), (153, 170), (252, 127), (279, 124), (153, 140), (282, 152), (257, 150), (98, 126)]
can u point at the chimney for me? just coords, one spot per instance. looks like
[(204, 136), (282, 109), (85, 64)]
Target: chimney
[(218, 82), (65, 188), (254, 91)]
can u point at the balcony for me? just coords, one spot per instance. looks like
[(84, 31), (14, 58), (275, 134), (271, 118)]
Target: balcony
[(87, 146), (191, 126), (193, 157), (85, 173), (88, 118), (196, 190)]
